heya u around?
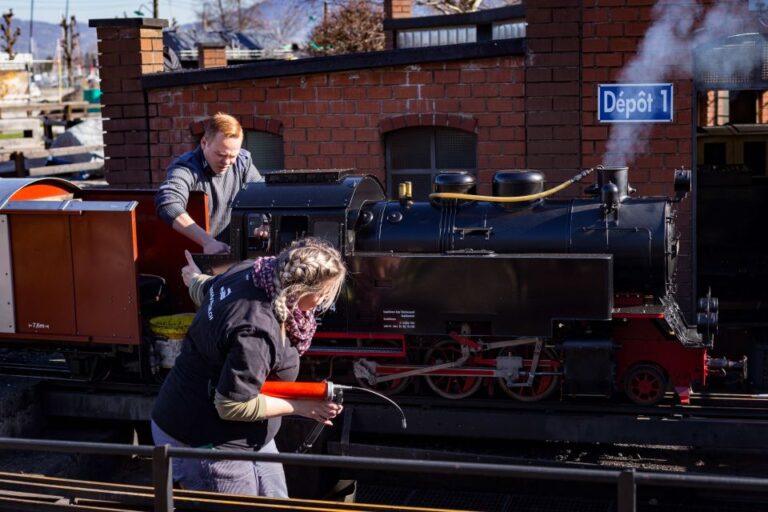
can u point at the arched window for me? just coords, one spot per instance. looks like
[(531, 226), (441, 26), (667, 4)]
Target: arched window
[(417, 154), (266, 149)]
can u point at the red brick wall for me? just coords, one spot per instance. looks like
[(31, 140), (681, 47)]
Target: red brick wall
[(553, 89), (337, 120), (611, 35)]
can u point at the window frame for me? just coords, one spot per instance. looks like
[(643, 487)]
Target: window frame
[(390, 174), (254, 155)]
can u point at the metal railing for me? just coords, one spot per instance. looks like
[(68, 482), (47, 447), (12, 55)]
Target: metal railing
[(626, 481), (242, 54)]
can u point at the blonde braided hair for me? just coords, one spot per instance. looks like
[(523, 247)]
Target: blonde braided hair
[(309, 265)]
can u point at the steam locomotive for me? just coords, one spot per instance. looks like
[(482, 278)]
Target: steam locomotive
[(462, 292), (514, 291)]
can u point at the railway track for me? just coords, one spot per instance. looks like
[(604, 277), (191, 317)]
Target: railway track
[(42, 371), (713, 405), (733, 406), (715, 420), (721, 422)]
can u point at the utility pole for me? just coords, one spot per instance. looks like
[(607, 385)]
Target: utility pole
[(70, 45), (155, 8), (31, 24)]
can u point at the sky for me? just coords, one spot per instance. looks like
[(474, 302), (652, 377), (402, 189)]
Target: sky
[(51, 11)]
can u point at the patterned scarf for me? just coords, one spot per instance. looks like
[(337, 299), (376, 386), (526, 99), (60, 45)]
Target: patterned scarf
[(300, 325)]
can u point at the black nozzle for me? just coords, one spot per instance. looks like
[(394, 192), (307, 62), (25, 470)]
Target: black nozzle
[(682, 183)]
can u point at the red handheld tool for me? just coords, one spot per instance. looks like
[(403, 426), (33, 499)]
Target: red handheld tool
[(318, 391)]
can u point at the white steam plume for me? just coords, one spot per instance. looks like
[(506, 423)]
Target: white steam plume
[(666, 52)]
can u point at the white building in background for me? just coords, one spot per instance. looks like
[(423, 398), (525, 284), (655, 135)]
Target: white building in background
[(16, 78)]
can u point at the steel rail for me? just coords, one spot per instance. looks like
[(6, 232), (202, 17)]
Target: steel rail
[(729, 405), (716, 405)]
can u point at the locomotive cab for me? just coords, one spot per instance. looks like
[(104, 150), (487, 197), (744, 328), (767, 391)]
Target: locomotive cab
[(293, 204)]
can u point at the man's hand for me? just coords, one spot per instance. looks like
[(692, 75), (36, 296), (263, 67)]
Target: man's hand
[(190, 270), (213, 246), (262, 231), (187, 227)]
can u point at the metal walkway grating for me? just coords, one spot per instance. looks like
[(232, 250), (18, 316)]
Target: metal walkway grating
[(479, 501)]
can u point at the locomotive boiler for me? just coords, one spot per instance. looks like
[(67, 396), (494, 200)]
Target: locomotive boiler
[(515, 290)]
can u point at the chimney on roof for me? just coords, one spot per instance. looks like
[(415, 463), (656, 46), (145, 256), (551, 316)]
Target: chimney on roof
[(394, 9), (397, 9), (128, 49), (211, 55)]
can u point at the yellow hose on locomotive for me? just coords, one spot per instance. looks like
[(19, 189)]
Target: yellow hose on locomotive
[(513, 199)]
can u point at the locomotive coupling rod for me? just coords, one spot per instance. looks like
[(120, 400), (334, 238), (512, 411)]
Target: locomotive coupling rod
[(320, 391), (535, 361), (410, 373)]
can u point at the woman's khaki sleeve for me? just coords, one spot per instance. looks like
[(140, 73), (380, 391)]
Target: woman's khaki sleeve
[(254, 409), (197, 288)]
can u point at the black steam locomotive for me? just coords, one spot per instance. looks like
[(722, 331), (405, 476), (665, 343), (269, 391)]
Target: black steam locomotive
[(514, 289)]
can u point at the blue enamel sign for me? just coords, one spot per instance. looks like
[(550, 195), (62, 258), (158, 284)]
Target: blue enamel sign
[(634, 103)]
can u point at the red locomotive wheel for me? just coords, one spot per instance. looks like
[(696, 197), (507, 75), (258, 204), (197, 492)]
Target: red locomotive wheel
[(543, 385), (645, 384), (455, 386)]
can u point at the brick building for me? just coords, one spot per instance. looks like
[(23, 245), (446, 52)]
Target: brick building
[(507, 88)]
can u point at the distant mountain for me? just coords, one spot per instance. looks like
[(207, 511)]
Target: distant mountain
[(47, 35)]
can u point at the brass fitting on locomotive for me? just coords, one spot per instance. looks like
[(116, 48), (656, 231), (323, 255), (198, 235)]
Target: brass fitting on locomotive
[(405, 194)]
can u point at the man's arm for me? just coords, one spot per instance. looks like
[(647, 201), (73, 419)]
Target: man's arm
[(190, 229), (171, 206)]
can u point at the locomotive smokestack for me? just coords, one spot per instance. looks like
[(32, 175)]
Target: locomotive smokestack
[(607, 178), (618, 176)]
